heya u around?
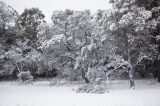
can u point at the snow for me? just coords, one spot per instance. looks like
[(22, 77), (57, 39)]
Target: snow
[(52, 41), (147, 93)]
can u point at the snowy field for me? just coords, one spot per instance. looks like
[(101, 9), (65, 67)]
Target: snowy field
[(147, 93)]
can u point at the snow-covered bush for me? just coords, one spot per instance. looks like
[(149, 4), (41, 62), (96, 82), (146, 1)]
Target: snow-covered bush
[(92, 88), (25, 76)]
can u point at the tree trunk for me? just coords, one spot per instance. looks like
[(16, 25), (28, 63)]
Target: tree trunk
[(158, 69), (131, 77), (84, 76), (130, 68)]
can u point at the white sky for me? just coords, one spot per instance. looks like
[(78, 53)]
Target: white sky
[(48, 6)]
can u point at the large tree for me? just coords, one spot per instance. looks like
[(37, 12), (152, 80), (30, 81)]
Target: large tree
[(29, 22), (130, 26), (154, 7), (73, 28)]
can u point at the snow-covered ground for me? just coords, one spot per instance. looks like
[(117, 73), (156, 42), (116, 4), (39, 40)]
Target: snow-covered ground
[(147, 93)]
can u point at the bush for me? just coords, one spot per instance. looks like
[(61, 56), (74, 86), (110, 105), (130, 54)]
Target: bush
[(96, 76), (92, 88), (25, 76)]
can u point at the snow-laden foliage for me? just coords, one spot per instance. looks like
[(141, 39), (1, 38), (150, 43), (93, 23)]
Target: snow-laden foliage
[(79, 45), (101, 72), (14, 54), (8, 16), (136, 18), (51, 42)]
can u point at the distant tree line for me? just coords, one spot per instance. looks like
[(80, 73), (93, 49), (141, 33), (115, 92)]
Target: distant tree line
[(123, 42)]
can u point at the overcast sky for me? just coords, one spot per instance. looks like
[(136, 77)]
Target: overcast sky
[(48, 6)]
